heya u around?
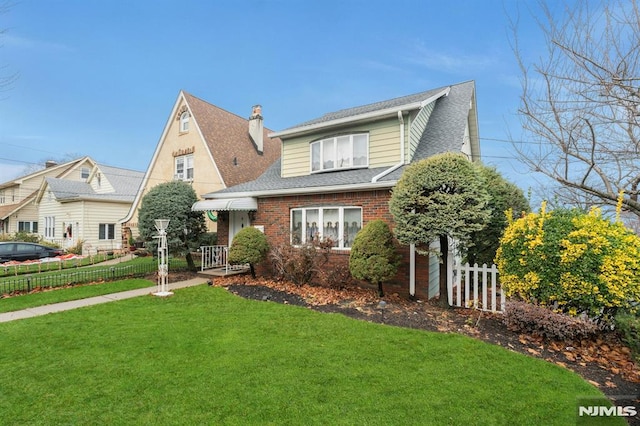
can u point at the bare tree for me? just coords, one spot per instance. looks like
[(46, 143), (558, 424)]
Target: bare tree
[(580, 102)]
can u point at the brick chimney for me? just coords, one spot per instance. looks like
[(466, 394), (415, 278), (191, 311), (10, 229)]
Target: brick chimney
[(256, 127)]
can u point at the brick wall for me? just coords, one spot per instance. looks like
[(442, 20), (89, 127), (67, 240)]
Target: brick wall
[(274, 214)]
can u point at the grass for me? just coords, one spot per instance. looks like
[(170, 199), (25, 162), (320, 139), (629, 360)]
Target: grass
[(31, 300), (204, 356)]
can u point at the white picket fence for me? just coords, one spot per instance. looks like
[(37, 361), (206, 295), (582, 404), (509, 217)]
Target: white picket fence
[(475, 287)]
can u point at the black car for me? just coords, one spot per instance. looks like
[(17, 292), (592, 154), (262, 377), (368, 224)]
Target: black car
[(26, 251)]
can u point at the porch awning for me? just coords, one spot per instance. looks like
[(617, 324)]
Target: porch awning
[(228, 204)]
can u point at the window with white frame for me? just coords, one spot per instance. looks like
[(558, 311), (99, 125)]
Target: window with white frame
[(336, 224), (84, 173), (50, 227), (184, 122), (106, 231), (184, 167), (28, 226), (340, 152), (2, 201)]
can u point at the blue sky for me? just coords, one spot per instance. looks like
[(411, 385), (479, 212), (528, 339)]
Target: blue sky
[(99, 78)]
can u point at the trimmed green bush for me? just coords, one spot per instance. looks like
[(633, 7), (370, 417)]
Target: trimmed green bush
[(573, 262), (248, 246), (373, 256), (628, 326)]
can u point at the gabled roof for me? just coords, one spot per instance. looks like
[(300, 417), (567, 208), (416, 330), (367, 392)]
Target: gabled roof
[(227, 136), (368, 112), (125, 183), (444, 133), (60, 170)]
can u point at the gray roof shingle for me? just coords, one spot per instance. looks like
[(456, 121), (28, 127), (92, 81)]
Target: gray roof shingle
[(125, 183), (444, 133)]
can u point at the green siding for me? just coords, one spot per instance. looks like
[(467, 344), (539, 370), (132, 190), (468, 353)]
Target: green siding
[(384, 148)]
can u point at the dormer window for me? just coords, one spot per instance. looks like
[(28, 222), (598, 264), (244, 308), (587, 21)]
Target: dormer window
[(340, 152), (84, 173), (184, 122)]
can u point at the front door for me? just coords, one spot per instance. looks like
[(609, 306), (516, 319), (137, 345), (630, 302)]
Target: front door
[(237, 221)]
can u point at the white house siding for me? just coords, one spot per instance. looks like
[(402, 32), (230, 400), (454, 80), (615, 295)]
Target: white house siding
[(417, 128), (384, 147), (466, 145), (94, 214), (28, 213)]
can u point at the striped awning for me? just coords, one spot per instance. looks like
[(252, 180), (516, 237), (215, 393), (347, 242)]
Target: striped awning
[(226, 204)]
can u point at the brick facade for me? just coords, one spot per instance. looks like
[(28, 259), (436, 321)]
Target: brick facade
[(274, 214)]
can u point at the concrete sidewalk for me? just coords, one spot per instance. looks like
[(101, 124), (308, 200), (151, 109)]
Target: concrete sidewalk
[(65, 306)]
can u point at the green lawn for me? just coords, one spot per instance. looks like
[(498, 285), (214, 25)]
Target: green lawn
[(31, 300), (204, 356)]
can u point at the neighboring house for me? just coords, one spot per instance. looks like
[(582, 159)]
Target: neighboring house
[(337, 171), (18, 211), (208, 147), (88, 209)]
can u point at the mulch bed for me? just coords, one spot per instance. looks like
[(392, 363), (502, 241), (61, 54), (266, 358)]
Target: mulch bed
[(604, 362)]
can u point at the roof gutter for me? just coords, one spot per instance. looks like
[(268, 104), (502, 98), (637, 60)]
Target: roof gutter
[(305, 190), (402, 154)]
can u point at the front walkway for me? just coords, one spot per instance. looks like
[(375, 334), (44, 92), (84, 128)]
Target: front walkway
[(65, 306)]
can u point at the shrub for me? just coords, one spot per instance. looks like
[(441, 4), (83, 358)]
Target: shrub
[(208, 239), (373, 255), (300, 264), (542, 321), (77, 248), (248, 246), (336, 274), (575, 262), (628, 326)]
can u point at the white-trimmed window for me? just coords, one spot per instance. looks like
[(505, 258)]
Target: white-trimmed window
[(184, 167), (2, 201), (184, 122), (107, 231), (50, 227), (28, 226), (340, 152), (337, 224), (84, 173)]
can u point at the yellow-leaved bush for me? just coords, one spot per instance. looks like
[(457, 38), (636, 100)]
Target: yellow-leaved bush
[(573, 262)]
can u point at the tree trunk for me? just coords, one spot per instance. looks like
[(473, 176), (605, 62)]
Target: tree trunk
[(253, 271), (190, 263), (380, 291), (444, 253)]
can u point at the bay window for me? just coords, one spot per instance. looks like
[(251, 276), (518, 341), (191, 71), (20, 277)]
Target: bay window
[(340, 152), (338, 225)]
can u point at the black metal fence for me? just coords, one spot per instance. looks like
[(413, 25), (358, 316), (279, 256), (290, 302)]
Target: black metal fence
[(29, 282)]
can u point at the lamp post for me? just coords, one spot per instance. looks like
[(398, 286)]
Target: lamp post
[(163, 268)]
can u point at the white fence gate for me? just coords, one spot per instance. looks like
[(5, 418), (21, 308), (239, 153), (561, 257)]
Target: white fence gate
[(475, 287)]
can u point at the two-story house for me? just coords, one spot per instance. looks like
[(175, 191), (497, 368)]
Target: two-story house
[(86, 206), (337, 171), (18, 210), (208, 147)]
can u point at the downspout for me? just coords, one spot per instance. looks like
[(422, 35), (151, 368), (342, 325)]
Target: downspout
[(401, 163)]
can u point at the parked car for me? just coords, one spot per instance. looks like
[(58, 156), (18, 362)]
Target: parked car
[(20, 251)]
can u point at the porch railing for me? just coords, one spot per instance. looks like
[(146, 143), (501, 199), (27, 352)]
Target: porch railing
[(217, 257)]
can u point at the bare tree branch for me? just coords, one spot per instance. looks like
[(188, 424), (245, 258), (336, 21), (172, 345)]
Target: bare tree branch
[(580, 103)]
